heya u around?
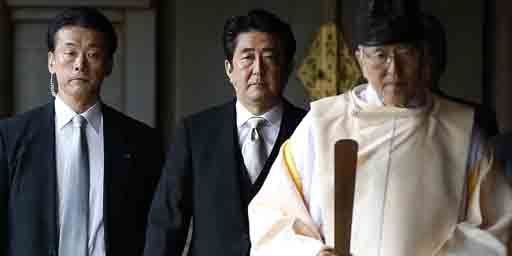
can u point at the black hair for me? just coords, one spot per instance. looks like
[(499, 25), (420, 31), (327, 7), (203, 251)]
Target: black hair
[(260, 21), (434, 38), (85, 17)]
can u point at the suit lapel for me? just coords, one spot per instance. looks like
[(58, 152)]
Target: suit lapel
[(240, 171), (228, 149), (285, 130), (38, 150), (47, 137), (230, 167), (116, 163)]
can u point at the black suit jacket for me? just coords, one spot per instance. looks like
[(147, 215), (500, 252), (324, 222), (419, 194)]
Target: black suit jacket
[(28, 186), (503, 151), (205, 178)]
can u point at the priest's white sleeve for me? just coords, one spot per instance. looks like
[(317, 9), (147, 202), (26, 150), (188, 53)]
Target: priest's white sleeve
[(486, 229), (279, 218)]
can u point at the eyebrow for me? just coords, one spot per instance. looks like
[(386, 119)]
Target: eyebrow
[(73, 44), (267, 49), (67, 44), (374, 48)]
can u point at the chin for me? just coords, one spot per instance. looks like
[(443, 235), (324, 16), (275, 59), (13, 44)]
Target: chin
[(258, 95), (82, 92)]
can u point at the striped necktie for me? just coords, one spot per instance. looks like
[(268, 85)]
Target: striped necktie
[(254, 150)]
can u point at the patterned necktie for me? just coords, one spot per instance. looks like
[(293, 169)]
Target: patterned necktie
[(254, 150), (75, 198)]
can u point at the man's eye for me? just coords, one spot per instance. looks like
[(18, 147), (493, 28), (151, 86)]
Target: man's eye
[(380, 55), (271, 59), (406, 51), (270, 56), (93, 55), (247, 60)]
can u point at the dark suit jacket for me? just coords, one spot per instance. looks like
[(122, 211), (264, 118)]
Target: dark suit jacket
[(28, 197), (205, 178), (503, 151)]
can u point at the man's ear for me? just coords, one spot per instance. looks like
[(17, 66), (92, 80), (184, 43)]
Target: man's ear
[(109, 67), (51, 62), (358, 55), (229, 68), (359, 58)]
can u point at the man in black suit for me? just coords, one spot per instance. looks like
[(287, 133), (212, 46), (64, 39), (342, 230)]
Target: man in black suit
[(76, 190), (212, 170)]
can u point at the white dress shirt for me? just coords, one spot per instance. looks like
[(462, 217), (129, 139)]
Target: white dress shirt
[(269, 130), (94, 131)]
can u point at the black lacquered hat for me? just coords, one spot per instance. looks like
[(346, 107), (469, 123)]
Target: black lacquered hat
[(381, 22)]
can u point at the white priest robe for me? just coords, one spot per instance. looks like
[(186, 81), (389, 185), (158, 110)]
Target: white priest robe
[(425, 185)]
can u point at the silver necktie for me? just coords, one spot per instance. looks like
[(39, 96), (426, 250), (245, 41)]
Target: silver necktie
[(75, 211), (254, 150)]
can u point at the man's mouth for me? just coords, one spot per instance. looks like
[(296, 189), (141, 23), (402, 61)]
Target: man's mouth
[(257, 84), (79, 79)]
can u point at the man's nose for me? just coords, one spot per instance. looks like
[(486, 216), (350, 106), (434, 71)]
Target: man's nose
[(80, 63), (394, 66), (259, 66)]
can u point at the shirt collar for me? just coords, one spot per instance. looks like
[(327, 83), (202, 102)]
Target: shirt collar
[(273, 116), (64, 114)]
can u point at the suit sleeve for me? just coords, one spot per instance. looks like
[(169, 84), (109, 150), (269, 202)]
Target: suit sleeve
[(4, 194), (170, 212)]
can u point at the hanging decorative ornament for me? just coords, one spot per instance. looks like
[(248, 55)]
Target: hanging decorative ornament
[(329, 68)]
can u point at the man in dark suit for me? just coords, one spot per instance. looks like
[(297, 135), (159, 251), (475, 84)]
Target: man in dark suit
[(213, 170), (76, 190)]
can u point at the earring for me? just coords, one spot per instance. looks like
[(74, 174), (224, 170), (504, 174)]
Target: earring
[(52, 85)]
